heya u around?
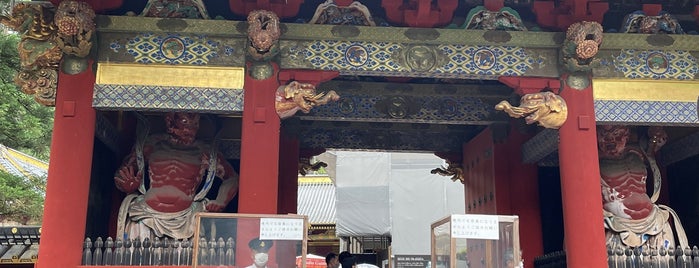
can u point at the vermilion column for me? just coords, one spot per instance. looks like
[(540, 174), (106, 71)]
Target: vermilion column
[(259, 149), (67, 189), (580, 182)]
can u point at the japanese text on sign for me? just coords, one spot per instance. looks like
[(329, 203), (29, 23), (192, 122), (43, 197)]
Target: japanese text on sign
[(475, 226), (281, 229)]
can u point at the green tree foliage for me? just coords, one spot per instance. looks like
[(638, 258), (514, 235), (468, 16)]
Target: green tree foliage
[(21, 199), (25, 125)]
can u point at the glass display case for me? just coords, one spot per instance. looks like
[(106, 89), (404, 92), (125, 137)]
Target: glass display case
[(475, 240), (242, 240)]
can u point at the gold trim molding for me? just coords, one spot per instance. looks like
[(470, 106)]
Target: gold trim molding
[(645, 90), (170, 75)]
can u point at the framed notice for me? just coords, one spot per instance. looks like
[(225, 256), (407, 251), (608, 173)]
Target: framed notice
[(475, 226), (462, 240), (281, 229)]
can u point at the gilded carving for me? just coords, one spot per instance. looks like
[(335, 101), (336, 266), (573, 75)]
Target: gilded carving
[(293, 54), (41, 83), (185, 9), (546, 108), (638, 22), (578, 80), (39, 54), (505, 19), (302, 97), (263, 34), (76, 25), (354, 14), (261, 70), (419, 58)]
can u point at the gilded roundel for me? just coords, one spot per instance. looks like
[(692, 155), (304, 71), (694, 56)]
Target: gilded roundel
[(346, 106), (484, 59), (657, 63), (421, 58), (172, 47), (356, 55)]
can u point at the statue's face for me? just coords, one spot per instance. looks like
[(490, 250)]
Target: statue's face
[(611, 140), (182, 127)]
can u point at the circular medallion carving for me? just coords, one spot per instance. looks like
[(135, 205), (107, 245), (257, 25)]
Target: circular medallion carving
[(73, 65), (397, 107), (261, 70), (657, 63), (356, 55), (172, 47), (484, 59), (448, 108), (421, 58), (578, 81), (346, 105)]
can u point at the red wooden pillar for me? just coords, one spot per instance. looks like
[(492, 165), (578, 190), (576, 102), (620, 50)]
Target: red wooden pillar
[(259, 148), (68, 184), (580, 182), (259, 151)]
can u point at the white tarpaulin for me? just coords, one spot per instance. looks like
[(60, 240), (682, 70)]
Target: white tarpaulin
[(419, 198), (361, 180), (393, 194)]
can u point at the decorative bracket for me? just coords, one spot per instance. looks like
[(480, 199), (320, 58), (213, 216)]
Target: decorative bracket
[(582, 43), (334, 13), (454, 167), (47, 33), (545, 107), (302, 97), (263, 34)]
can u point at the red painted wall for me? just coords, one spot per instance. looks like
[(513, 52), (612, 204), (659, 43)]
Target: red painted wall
[(498, 183)]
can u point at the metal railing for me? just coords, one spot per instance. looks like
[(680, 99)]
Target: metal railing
[(633, 258), (157, 252)]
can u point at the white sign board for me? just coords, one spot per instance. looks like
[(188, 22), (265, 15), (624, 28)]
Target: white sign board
[(281, 229), (475, 226)]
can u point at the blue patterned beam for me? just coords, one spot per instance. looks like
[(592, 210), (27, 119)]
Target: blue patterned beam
[(412, 103), (166, 99), (403, 137)]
